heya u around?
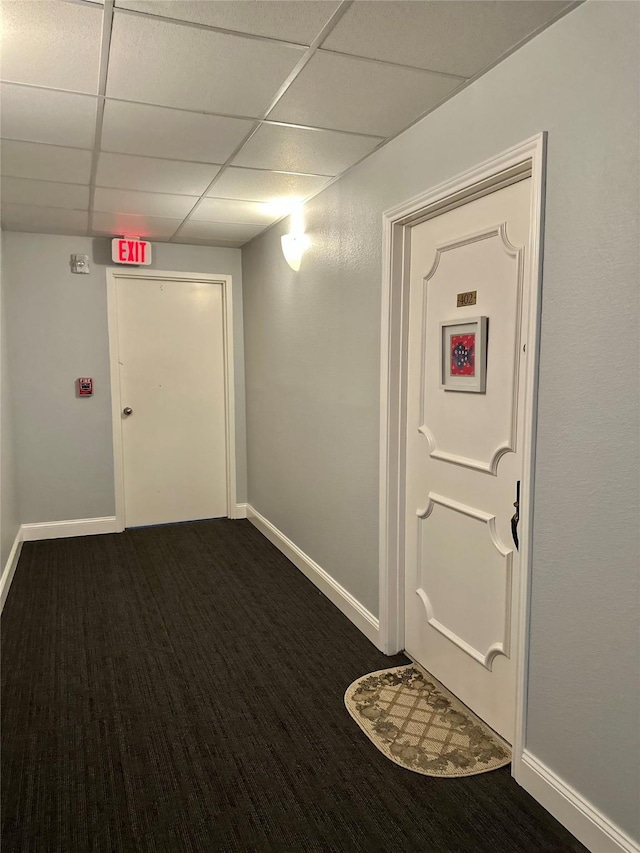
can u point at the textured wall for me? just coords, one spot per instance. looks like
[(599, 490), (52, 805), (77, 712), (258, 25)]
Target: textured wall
[(312, 377), (57, 332), (9, 523)]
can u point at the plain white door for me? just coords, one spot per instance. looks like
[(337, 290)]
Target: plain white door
[(463, 450), (171, 360)]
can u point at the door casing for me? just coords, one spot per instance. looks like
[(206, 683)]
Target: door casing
[(525, 160), (113, 275)]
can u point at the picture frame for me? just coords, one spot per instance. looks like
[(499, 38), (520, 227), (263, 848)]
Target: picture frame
[(463, 354)]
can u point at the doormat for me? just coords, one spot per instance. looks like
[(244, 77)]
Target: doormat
[(415, 722)]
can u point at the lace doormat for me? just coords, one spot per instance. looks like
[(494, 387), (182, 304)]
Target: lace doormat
[(415, 722)]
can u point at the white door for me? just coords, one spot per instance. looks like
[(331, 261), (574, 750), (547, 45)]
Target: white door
[(464, 448), (171, 361)]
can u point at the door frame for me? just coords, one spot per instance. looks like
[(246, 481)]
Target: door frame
[(113, 275), (527, 159)]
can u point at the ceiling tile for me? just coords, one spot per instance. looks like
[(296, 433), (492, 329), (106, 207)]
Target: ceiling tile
[(43, 115), (457, 38), (254, 185), (294, 149), (401, 95), (218, 231), (51, 44), (288, 20), (45, 193), (177, 135), (220, 244), (142, 204), (164, 176), (161, 62), (43, 220), (45, 162), (232, 210), (121, 225)]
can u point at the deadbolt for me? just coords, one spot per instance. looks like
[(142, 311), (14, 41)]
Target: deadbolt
[(127, 411)]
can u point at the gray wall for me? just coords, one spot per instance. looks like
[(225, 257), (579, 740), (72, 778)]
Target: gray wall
[(312, 378), (57, 332), (9, 523)]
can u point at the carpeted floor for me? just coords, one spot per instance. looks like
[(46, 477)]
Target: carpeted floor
[(181, 688)]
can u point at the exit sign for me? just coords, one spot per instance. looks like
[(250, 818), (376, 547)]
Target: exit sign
[(130, 250)]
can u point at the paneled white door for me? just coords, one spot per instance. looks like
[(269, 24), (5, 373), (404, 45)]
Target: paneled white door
[(172, 391), (463, 449)]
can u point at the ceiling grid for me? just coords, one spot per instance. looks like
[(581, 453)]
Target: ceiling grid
[(107, 23), (206, 122), (302, 62)]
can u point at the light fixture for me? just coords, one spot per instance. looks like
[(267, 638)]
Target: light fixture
[(293, 248), (296, 242)]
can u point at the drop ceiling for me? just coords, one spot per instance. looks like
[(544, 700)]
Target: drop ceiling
[(205, 121)]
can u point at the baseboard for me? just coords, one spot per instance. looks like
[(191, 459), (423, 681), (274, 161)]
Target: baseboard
[(241, 511), (578, 815), (343, 600), (73, 527), (10, 568)]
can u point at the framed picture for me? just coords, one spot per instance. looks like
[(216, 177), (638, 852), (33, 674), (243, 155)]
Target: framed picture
[(463, 355)]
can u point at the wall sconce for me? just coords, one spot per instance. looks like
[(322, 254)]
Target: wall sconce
[(294, 246)]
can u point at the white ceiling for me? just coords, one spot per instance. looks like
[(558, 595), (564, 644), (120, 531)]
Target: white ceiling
[(204, 121)]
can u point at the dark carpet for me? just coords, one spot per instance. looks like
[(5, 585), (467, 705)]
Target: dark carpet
[(181, 688)]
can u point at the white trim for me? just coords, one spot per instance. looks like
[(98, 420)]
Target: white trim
[(10, 568), (241, 511), (116, 419), (343, 600), (521, 161), (229, 383), (577, 814), (72, 527), (114, 273)]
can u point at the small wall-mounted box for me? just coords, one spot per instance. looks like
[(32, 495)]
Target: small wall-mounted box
[(80, 264), (84, 386)]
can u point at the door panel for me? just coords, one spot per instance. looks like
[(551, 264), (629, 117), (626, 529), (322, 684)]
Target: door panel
[(463, 453), (495, 268), (171, 359), (470, 608)]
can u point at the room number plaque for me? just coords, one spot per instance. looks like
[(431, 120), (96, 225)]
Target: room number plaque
[(468, 298)]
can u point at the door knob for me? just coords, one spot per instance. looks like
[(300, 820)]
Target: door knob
[(127, 411)]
